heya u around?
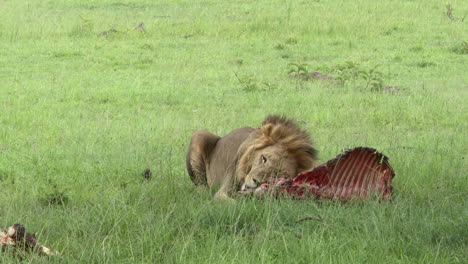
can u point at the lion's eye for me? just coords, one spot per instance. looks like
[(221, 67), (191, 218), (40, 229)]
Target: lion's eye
[(263, 159)]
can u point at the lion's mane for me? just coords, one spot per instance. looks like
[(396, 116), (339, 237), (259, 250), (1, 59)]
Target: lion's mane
[(280, 131)]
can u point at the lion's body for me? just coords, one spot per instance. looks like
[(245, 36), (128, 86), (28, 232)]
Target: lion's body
[(247, 156), (210, 158)]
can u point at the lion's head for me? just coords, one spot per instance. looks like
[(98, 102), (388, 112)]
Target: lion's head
[(278, 149)]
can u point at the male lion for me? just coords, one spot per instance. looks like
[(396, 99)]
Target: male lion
[(246, 157)]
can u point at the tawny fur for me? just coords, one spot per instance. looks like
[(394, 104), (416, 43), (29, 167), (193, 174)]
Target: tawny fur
[(246, 157)]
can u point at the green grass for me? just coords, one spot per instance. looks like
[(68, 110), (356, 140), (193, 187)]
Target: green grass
[(82, 115)]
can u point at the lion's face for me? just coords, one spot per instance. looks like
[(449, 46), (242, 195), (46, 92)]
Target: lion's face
[(279, 148), (269, 162)]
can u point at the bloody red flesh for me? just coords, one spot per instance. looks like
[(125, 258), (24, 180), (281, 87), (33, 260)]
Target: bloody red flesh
[(356, 173)]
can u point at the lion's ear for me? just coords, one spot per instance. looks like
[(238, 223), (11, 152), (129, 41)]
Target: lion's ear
[(266, 130)]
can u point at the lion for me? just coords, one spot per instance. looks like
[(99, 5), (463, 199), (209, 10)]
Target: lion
[(244, 159)]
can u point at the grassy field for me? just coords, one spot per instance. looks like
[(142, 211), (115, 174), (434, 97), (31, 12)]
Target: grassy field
[(87, 102)]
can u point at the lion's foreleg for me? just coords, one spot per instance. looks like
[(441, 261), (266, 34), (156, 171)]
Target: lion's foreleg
[(223, 195), (227, 188), (223, 192)]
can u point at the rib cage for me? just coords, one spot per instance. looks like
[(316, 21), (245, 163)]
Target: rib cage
[(355, 173)]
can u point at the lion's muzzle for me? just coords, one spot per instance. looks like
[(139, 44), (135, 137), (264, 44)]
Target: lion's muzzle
[(250, 186)]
